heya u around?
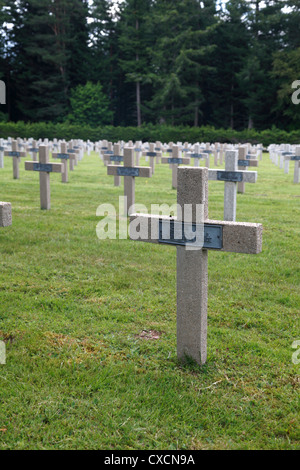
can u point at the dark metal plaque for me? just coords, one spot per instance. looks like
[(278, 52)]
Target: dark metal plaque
[(243, 163), (138, 150), (172, 232), (47, 167), (33, 150), (13, 154), (206, 151), (233, 176), (128, 171), (116, 158), (2, 149), (175, 161), (63, 156), (169, 150), (151, 154), (295, 158), (71, 151), (109, 152), (196, 155), (287, 153), (157, 149)]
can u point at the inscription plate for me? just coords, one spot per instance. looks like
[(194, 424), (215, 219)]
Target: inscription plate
[(2, 149), (128, 171), (243, 163), (137, 150), (234, 176), (196, 155), (295, 158), (287, 153), (71, 151), (13, 154), (42, 167), (175, 161), (63, 156), (151, 154), (173, 232), (109, 152), (116, 158), (33, 150)]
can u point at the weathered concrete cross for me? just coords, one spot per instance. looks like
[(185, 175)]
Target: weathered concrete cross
[(34, 150), (44, 168), (174, 161), (231, 176), (152, 153), (117, 158), (2, 149), (64, 156), (200, 235), (243, 164), (130, 172), (16, 155)]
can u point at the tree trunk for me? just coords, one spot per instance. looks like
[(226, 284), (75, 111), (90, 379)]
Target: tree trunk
[(138, 104)]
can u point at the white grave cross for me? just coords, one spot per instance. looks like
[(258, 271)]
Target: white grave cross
[(130, 172), (231, 176), (44, 168), (16, 155)]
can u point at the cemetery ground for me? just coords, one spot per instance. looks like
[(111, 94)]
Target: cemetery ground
[(90, 325)]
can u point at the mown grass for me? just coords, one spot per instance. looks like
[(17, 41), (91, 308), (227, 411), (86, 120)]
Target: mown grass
[(90, 325)]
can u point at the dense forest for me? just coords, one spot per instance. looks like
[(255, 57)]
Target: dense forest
[(179, 62)]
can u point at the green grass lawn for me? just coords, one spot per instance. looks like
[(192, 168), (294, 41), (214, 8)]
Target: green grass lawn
[(90, 325)]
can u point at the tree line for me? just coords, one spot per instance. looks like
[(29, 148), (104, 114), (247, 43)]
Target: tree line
[(174, 62)]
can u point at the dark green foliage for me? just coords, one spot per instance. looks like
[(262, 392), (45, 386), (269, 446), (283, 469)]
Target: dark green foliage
[(173, 62), (89, 105), (146, 133)]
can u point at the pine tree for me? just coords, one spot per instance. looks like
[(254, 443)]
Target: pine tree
[(49, 46)]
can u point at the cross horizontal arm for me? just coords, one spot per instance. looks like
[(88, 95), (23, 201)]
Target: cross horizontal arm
[(46, 167), (246, 176), (14, 154), (237, 237)]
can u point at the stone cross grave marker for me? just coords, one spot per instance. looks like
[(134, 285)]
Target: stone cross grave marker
[(2, 149), (152, 153), (296, 159), (174, 161), (5, 214), (200, 235), (115, 158), (33, 150), (64, 156), (16, 155), (74, 152), (243, 164), (130, 172), (231, 177), (44, 168)]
